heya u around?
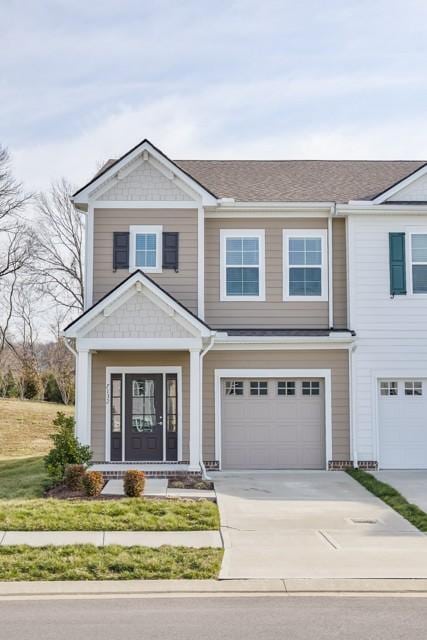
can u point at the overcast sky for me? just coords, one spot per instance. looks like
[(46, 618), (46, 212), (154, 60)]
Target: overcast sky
[(82, 81)]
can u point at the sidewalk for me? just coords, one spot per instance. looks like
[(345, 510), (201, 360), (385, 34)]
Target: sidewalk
[(194, 588), (197, 539)]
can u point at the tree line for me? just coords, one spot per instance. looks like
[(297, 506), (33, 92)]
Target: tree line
[(41, 287)]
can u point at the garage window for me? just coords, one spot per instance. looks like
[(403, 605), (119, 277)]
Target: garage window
[(286, 388), (234, 387), (310, 388), (258, 388), (414, 388), (388, 388)]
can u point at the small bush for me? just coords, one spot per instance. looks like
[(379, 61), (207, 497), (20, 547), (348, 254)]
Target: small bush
[(73, 477), (177, 484), (93, 482), (133, 483), (66, 450)]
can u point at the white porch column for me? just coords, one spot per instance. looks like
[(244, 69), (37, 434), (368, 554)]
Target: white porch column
[(83, 394), (194, 410)]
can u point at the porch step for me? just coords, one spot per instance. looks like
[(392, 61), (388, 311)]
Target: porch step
[(153, 487)]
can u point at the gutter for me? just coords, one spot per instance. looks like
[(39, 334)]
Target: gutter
[(202, 355)]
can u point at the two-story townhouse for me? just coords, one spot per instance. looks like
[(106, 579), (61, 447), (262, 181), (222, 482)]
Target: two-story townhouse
[(218, 331)]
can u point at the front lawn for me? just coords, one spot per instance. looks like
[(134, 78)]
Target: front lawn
[(127, 514), (87, 562), (22, 478)]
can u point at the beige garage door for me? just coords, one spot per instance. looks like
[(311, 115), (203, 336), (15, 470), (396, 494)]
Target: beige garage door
[(275, 423)]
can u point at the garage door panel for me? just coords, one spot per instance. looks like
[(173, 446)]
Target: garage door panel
[(274, 431), (402, 424)]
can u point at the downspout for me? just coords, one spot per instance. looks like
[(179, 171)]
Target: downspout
[(353, 427), (202, 355)]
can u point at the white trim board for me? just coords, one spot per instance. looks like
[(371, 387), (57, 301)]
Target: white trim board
[(123, 371), (273, 373)]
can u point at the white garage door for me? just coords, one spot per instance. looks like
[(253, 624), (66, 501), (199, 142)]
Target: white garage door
[(273, 424), (403, 423)]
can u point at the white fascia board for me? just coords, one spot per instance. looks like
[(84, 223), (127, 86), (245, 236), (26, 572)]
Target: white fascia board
[(144, 204), (342, 341), (271, 210), (368, 208), (85, 194), (79, 328), (139, 344)]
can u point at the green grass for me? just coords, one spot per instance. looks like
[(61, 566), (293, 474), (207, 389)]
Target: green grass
[(393, 498), (26, 426), (87, 562), (127, 514), (22, 478)]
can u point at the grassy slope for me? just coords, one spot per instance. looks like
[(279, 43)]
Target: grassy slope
[(26, 426), (22, 478), (393, 498), (86, 562), (108, 515)]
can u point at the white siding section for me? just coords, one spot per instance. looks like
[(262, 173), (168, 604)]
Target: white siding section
[(416, 191), (391, 333)]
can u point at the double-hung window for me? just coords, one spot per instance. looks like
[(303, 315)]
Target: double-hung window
[(419, 262), (305, 265), (145, 248), (242, 265)]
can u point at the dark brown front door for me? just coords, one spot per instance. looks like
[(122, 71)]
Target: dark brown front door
[(144, 417)]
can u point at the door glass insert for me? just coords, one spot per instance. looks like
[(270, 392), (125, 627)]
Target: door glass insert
[(143, 406), (414, 388), (311, 388), (116, 405), (286, 388), (171, 404), (388, 388)]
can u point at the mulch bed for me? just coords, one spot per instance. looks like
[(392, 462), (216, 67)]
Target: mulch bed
[(189, 482)]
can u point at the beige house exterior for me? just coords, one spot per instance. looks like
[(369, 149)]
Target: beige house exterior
[(215, 332)]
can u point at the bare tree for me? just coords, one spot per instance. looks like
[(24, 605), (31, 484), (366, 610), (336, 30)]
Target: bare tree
[(60, 239), (17, 241)]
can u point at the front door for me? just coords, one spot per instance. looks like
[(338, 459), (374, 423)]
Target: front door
[(144, 417)]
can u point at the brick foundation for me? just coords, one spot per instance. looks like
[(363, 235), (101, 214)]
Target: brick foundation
[(368, 465), (339, 465)]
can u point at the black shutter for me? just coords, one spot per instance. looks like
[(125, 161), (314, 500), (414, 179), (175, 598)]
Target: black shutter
[(120, 250), (397, 264), (170, 250)]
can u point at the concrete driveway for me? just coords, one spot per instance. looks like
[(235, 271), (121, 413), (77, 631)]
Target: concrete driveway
[(312, 524), (411, 484)]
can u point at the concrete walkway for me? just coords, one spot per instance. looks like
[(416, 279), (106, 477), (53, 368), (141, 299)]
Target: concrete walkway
[(197, 539), (411, 484), (158, 488), (318, 525)]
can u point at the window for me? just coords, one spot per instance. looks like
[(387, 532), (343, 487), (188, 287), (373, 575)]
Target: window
[(258, 388), (234, 387), (388, 388), (286, 388), (145, 248), (116, 404), (414, 388), (310, 388), (305, 265), (171, 403), (242, 265), (419, 262)]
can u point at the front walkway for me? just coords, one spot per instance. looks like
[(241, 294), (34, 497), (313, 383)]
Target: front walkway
[(198, 539), (312, 524), (411, 484)]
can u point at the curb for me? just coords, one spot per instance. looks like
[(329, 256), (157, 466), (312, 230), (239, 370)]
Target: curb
[(291, 586)]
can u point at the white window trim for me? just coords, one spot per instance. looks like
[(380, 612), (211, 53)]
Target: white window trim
[(145, 228), (242, 233), (305, 233), (409, 262)]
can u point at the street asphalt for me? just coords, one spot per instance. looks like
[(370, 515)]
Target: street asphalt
[(213, 618)]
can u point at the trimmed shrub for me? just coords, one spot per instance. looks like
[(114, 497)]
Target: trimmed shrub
[(73, 477), (133, 483), (93, 482), (66, 450)]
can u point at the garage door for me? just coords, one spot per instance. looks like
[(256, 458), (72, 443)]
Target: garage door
[(402, 423), (274, 423)]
